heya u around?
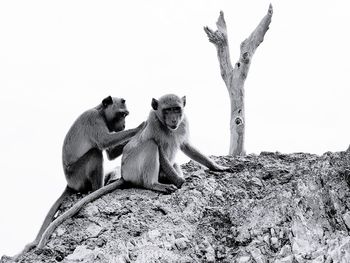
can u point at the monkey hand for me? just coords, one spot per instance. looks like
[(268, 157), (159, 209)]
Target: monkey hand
[(140, 127)]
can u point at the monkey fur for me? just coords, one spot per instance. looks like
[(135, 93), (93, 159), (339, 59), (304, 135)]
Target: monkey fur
[(97, 129), (155, 147)]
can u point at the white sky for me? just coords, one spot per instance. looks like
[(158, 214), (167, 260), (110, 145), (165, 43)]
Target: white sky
[(59, 58)]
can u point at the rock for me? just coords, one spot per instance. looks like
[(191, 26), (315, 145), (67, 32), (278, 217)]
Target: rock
[(281, 234), (93, 230), (341, 252), (154, 234), (218, 194), (346, 218), (319, 259), (181, 243), (82, 254), (266, 239), (272, 232), (91, 210), (243, 236), (257, 182), (273, 207), (274, 242), (243, 259), (220, 252), (207, 250), (60, 231), (287, 259), (257, 255), (210, 254), (286, 250)]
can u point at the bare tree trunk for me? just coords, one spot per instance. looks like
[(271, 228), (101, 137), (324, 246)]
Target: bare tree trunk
[(234, 77)]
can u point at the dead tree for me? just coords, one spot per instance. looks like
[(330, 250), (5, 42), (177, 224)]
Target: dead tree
[(234, 77)]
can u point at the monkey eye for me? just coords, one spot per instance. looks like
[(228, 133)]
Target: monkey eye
[(172, 110), (177, 109), (122, 114)]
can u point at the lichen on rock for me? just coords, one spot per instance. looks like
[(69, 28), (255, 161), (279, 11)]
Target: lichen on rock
[(269, 208)]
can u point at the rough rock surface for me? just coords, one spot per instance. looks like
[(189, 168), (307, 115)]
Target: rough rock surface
[(270, 208)]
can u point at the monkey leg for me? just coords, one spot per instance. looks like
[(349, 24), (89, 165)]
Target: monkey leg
[(140, 166), (94, 169), (153, 163), (87, 173), (178, 169)]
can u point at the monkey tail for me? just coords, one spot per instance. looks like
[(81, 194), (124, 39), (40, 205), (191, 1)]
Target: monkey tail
[(53, 210), (48, 219), (77, 207)]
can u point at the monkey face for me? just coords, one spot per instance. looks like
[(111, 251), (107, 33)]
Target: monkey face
[(115, 112), (118, 123), (169, 110), (172, 117)]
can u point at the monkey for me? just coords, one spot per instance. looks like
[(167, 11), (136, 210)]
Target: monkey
[(97, 129), (148, 157)]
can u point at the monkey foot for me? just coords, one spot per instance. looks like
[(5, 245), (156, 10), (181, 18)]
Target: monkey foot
[(164, 188), (180, 181)]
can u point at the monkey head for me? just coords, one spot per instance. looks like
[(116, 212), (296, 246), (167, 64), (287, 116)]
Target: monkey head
[(115, 112), (169, 110)]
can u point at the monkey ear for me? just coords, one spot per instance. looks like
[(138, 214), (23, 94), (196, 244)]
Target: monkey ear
[(154, 104), (107, 101), (183, 100)]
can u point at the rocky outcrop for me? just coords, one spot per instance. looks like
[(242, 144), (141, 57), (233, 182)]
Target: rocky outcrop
[(269, 208)]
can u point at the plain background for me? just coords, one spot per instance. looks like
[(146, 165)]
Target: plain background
[(59, 58)]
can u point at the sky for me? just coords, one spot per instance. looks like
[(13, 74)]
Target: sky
[(60, 58)]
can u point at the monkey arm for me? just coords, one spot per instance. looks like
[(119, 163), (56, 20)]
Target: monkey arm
[(116, 151), (196, 155), (105, 139), (115, 138)]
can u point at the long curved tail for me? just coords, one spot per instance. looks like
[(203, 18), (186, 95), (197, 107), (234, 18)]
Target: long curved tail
[(48, 219), (51, 214), (77, 207)]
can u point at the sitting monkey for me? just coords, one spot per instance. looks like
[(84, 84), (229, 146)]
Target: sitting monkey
[(155, 147), (95, 130)]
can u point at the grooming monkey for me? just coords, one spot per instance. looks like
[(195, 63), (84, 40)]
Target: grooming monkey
[(148, 158), (95, 130)]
